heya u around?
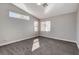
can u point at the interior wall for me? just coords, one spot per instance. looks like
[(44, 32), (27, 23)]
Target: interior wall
[(78, 27), (14, 29), (63, 27)]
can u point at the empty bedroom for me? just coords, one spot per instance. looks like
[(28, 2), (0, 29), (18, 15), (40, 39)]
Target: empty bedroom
[(39, 28)]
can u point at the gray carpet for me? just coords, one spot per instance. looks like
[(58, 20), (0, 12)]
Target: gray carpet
[(47, 47)]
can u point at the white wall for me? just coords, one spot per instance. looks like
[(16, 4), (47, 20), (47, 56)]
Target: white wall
[(13, 29), (78, 28), (63, 27)]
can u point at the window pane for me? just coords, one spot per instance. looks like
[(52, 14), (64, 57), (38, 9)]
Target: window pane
[(42, 26), (35, 25), (46, 26)]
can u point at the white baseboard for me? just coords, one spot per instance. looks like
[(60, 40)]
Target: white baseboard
[(61, 39), (64, 39), (77, 44), (13, 41)]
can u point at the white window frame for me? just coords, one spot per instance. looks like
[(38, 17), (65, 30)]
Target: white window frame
[(35, 26), (45, 26)]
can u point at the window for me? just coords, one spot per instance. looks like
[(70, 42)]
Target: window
[(45, 26), (17, 15), (35, 25)]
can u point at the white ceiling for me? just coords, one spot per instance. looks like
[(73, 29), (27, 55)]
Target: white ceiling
[(52, 9)]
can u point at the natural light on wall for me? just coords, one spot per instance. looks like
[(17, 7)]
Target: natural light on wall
[(35, 25), (17, 15), (35, 45), (46, 26)]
